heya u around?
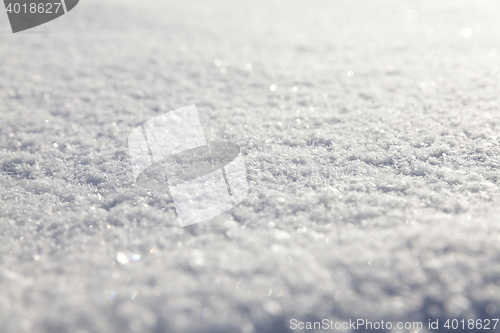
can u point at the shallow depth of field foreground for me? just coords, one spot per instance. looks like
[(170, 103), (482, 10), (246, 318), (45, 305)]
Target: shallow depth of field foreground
[(370, 132)]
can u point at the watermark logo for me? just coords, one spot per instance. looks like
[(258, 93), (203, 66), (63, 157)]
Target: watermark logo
[(25, 15), (204, 179)]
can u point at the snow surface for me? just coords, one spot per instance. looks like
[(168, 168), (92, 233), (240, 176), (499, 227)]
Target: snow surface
[(370, 132)]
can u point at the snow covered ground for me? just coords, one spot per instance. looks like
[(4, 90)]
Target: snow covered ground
[(370, 132)]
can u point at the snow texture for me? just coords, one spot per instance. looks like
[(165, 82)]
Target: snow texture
[(370, 132)]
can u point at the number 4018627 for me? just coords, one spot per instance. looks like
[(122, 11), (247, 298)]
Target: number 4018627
[(33, 8), (485, 324)]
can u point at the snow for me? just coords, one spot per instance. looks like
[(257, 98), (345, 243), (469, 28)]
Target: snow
[(370, 133)]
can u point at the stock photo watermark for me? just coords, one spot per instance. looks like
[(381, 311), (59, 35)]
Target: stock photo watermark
[(170, 152), (411, 326), (24, 15)]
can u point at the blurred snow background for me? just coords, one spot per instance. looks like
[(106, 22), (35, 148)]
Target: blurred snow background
[(370, 131)]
